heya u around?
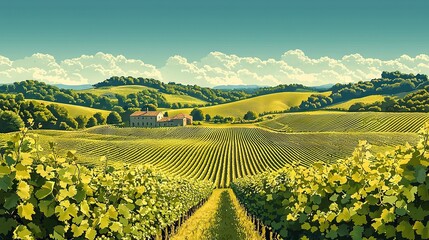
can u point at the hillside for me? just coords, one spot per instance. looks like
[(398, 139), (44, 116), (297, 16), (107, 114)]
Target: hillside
[(366, 100), (328, 121), (129, 89), (216, 154), (75, 110), (265, 103)]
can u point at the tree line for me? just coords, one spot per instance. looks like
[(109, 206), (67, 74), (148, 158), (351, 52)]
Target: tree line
[(389, 83), (413, 102), (15, 111)]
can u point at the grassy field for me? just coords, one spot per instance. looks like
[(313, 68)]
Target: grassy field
[(129, 89), (270, 102), (75, 110), (346, 105), (123, 90), (216, 154), (327, 121), (221, 217)]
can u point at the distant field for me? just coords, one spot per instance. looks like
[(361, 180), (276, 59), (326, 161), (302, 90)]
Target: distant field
[(270, 102), (326, 121), (75, 110), (346, 105), (216, 154), (183, 99), (129, 89), (123, 90)]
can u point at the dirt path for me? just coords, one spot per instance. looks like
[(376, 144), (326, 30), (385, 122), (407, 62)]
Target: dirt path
[(221, 217)]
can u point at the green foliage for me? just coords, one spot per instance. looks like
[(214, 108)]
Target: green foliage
[(366, 196), (389, 83), (10, 122), (417, 101), (197, 114), (53, 197), (100, 118), (114, 118), (250, 115), (81, 121), (92, 121)]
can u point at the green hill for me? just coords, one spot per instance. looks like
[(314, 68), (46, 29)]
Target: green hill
[(329, 121), (75, 110), (129, 89), (265, 103), (346, 105)]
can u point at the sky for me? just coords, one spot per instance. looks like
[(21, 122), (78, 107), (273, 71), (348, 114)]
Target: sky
[(175, 40)]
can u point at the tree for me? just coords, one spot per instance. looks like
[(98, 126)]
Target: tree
[(10, 122), (250, 115), (114, 118), (197, 114), (166, 114), (149, 107), (118, 109), (208, 117), (100, 118), (81, 121), (92, 122)]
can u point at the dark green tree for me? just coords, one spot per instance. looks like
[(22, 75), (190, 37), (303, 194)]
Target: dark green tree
[(197, 114), (101, 120), (208, 117), (114, 118), (81, 121), (92, 122), (250, 115), (10, 122)]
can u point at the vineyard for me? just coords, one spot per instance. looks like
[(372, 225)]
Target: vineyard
[(219, 155), (326, 121), (51, 196), (365, 196)]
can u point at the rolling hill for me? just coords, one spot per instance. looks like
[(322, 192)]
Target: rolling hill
[(336, 121), (265, 103), (346, 105), (75, 110), (129, 89), (216, 154)]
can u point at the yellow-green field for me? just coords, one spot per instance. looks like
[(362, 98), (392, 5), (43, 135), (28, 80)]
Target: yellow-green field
[(183, 99), (366, 100), (129, 89), (122, 90), (265, 103), (330, 121), (216, 154), (75, 110)]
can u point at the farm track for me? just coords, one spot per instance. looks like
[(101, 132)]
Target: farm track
[(216, 154)]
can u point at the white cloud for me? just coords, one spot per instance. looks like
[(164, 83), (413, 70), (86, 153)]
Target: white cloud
[(216, 68)]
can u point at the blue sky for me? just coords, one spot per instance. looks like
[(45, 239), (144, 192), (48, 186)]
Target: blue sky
[(157, 29), (212, 42)]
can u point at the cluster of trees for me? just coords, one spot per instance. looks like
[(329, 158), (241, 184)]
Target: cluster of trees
[(414, 102), (213, 96), (15, 111), (32, 89), (198, 115), (282, 88), (389, 83)]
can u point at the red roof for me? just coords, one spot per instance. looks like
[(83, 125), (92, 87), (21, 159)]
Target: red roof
[(164, 119), (182, 115), (145, 114)]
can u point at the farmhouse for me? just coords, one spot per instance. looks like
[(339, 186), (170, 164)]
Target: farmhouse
[(157, 119)]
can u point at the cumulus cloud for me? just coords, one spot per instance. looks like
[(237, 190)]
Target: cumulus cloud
[(86, 69), (216, 68)]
